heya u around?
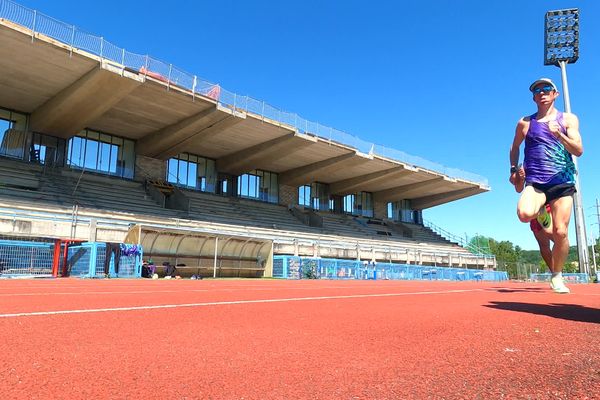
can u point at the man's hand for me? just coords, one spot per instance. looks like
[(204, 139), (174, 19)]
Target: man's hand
[(518, 179), (554, 128)]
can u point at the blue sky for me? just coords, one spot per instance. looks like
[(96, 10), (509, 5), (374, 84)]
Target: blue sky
[(443, 80)]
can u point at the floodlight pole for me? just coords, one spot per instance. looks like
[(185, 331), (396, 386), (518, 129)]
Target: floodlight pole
[(582, 250), (594, 254)]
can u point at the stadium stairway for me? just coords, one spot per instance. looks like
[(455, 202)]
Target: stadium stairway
[(22, 181), (343, 225), (230, 210), (378, 228), (421, 233), (104, 192), (65, 187), (273, 216)]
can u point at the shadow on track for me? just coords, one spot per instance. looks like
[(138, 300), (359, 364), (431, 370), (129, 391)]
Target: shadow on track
[(527, 289), (571, 312)]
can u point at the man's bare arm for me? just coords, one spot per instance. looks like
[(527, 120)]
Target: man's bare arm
[(520, 133), (572, 140)]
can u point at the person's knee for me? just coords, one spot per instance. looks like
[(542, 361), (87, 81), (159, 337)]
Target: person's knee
[(560, 232), (525, 215)]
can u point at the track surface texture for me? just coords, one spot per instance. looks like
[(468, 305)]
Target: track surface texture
[(272, 339)]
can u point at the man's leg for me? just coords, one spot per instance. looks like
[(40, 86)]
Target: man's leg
[(530, 203), (117, 250), (108, 254), (561, 215), (543, 240)]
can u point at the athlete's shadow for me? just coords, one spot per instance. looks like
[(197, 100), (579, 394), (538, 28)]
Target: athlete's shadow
[(571, 312), (525, 289)]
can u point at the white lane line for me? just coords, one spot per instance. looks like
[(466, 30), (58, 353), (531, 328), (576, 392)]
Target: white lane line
[(222, 303), (97, 293), (183, 290)]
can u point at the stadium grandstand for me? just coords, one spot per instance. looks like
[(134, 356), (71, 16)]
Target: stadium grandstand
[(99, 144)]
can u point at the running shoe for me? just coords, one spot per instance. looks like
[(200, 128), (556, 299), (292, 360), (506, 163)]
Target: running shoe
[(558, 285), (544, 218)]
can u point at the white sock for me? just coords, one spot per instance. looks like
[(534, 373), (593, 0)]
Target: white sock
[(557, 275)]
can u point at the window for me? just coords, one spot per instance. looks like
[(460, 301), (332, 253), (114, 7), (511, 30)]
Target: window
[(320, 196), (260, 185), (360, 203), (248, 186), (100, 152), (364, 204), (13, 136), (348, 205), (315, 196), (193, 172), (46, 149), (223, 186), (4, 126), (402, 211), (304, 195)]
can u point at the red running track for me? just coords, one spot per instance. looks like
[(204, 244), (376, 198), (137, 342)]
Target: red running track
[(270, 339)]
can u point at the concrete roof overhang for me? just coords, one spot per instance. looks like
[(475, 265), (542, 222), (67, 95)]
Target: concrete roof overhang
[(66, 90)]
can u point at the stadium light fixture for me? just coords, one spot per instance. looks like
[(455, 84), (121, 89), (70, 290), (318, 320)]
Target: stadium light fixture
[(561, 39), (561, 46)]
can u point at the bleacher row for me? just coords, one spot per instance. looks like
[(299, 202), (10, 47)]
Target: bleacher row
[(24, 182)]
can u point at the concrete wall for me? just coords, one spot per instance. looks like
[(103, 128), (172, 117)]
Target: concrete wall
[(288, 195), (380, 209), (146, 167), (62, 229)]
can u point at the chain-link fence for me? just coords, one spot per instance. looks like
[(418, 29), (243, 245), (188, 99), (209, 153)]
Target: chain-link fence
[(293, 267)]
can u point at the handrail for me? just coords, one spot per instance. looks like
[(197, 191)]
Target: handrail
[(172, 76), (473, 248)]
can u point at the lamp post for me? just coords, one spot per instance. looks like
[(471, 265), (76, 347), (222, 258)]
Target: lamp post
[(594, 255), (561, 46)]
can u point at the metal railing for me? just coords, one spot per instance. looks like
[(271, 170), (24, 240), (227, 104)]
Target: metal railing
[(26, 258), (462, 242), (294, 267), (171, 75)]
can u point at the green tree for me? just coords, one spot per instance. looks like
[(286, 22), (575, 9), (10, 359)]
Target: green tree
[(479, 244), (506, 256)]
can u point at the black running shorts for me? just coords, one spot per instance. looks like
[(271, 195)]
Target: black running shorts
[(554, 192)]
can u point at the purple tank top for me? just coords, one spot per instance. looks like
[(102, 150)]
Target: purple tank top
[(546, 159)]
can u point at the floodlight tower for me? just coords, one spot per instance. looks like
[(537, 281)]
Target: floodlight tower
[(561, 46)]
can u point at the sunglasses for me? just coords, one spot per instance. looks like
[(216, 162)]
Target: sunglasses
[(545, 89)]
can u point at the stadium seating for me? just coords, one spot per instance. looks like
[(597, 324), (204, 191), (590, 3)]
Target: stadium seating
[(63, 186), (30, 184)]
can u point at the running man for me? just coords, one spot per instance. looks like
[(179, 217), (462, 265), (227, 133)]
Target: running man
[(551, 139), (543, 235)]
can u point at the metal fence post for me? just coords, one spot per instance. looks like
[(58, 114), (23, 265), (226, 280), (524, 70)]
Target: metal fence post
[(169, 78), (33, 26), (93, 266), (194, 88), (122, 62), (72, 40)]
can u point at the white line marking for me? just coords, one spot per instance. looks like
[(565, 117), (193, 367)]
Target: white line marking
[(222, 303), (100, 293), (149, 291)]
